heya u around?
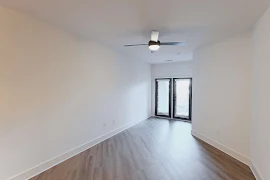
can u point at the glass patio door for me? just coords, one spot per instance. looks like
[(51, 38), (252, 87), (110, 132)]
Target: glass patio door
[(182, 98), (177, 106), (163, 97)]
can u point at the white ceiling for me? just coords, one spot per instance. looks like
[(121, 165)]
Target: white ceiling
[(117, 22)]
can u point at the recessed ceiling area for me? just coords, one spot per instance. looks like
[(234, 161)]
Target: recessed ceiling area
[(119, 22)]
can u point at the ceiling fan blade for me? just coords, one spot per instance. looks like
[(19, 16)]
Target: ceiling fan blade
[(154, 36), (173, 43), (130, 45)]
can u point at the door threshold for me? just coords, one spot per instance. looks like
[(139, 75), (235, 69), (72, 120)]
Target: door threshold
[(172, 119)]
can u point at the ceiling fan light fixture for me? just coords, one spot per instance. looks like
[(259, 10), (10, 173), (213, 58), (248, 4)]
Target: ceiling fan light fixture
[(154, 46)]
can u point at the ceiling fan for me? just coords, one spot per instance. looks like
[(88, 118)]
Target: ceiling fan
[(154, 44)]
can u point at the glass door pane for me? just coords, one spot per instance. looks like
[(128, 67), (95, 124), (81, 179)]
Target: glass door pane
[(182, 98), (163, 97)]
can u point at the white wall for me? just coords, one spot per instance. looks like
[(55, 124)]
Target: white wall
[(57, 93), (221, 94), (260, 126), (169, 70)]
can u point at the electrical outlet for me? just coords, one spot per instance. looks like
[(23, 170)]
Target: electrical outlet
[(104, 124)]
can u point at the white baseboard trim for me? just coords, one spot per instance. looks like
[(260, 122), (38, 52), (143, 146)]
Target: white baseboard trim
[(255, 171), (223, 148), (67, 155)]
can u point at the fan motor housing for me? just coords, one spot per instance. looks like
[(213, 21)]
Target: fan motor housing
[(151, 43)]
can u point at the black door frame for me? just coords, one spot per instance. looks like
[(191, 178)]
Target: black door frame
[(156, 97), (190, 100)]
